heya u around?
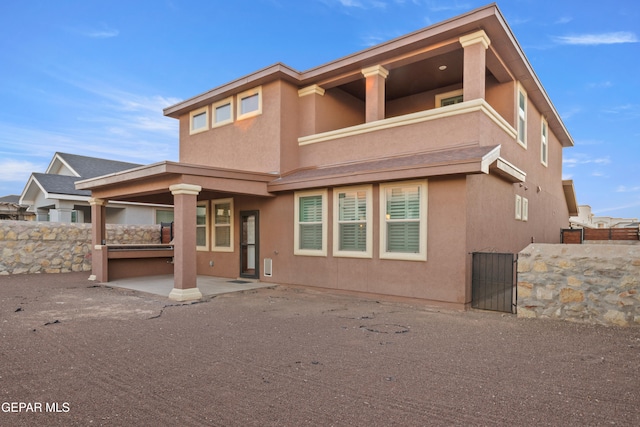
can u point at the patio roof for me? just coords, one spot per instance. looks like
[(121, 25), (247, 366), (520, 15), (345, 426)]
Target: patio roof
[(151, 183)]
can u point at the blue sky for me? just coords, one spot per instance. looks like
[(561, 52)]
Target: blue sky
[(91, 77)]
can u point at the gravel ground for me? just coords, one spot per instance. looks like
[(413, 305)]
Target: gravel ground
[(76, 353)]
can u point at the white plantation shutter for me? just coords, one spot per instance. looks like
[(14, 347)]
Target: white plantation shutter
[(403, 219), (352, 221), (222, 223), (201, 226), (310, 222)]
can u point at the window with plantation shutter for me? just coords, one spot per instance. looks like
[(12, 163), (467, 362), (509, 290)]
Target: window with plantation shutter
[(352, 222), (222, 225), (310, 225), (403, 220), (201, 226)]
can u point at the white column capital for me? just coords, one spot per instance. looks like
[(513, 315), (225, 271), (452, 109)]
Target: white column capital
[(188, 189), (477, 37), (310, 90), (376, 70), (98, 202)]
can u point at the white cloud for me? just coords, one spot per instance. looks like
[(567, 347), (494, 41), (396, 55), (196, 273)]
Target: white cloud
[(563, 20), (625, 189), (103, 34), (582, 159), (12, 170), (570, 113), (598, 39), (364, 4), (599, 85)]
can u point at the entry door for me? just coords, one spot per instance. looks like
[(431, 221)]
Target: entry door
[(249, 241)]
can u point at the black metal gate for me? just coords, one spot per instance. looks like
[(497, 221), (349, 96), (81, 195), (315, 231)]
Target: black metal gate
[(494, 281)]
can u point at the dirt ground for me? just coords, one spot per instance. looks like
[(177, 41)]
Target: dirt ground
[(91, 355)]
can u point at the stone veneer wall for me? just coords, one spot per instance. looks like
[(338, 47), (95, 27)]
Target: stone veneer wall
[(586, 283), (50, 247)]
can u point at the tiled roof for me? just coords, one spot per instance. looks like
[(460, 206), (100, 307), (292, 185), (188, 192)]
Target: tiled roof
[(90, 167), (59, 184)]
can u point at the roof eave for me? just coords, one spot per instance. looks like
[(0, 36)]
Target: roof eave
[(271, 73)]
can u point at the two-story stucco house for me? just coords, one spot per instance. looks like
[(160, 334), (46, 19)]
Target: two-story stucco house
[(380, 172)]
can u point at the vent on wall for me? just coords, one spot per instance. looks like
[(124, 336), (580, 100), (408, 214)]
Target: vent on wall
[(268, 267)]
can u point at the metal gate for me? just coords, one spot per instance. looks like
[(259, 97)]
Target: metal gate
[(493, 284)]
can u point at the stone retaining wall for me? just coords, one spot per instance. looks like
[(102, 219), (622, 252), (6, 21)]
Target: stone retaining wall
[(50, 247), (597, 284)]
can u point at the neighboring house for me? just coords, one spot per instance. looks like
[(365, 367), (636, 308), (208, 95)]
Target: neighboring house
[(10, 208), (587, 219), (380, 172), (52, 195)]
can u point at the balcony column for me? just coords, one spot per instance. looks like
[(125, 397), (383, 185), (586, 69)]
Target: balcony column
[(475, 64), (99, 260), (309, 99), (185, 275), (375, 92)]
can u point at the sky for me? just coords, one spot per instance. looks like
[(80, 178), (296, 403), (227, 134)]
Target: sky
[(92, 77)]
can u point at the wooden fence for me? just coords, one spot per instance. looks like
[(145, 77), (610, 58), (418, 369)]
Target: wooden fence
[(578, 235)]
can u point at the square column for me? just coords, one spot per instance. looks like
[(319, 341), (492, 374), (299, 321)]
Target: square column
[(99, 261), (375, 92), (309, 98), (185, 199), (475, 64)]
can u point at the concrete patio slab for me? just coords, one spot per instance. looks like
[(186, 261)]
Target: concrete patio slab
[(208, 285)]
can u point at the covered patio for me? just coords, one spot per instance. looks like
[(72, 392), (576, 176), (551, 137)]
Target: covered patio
[(207, 285), (178, 184)]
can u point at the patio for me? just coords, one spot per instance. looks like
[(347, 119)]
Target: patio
[(208, 285)]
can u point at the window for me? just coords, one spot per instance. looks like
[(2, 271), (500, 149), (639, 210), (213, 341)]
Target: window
[(449, 98), (201, 226), (310, 233), (525, 209), (198, 121), (403, 221), (522, 116), (544, 143), (223, 225), (250, 103), (352, 213), (163, 215), (518, 207), (222, 112)]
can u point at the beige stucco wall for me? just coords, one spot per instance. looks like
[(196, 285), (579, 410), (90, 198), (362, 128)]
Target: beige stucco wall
[(251, 144), (441, 279), (586, 283)]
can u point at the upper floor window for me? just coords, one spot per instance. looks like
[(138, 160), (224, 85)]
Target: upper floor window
[(522, 116), (250, 103), (544, 142), (352, 222), (449, 98), (310, 232), (403, 220), (198, 120), (222, 112), (223, 225)]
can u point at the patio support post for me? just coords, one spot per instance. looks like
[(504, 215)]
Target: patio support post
[(185, 199), (99, 253), (375, 92), (475, 63)]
